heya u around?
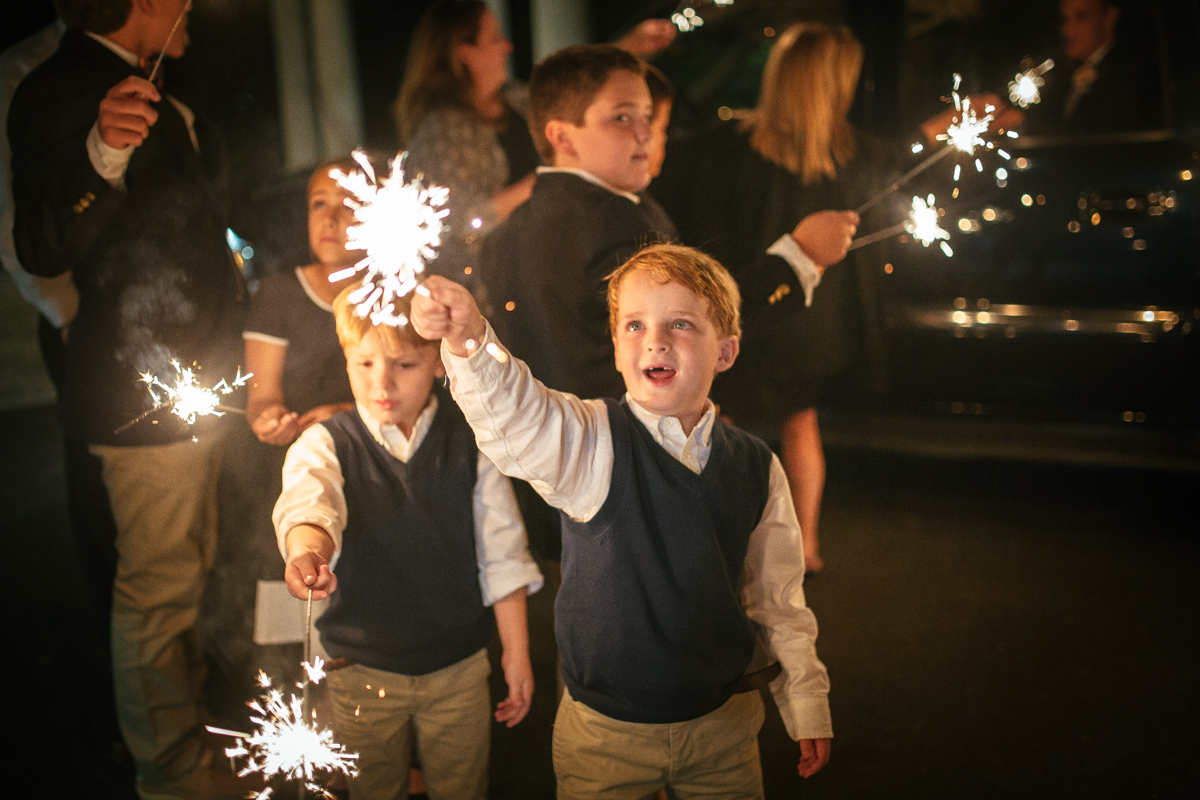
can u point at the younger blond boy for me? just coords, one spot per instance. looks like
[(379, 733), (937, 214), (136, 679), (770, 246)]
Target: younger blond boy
[(392, 512), (680, 542)]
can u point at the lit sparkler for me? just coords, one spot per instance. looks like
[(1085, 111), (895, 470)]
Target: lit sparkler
[(1023, 90), (187, 399), (399, 227), (922, 225), (687, 18), (287, 742), (963, 135)]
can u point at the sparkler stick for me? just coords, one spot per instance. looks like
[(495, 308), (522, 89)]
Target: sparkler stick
[(158, 62), (908, 176), (877, 236)]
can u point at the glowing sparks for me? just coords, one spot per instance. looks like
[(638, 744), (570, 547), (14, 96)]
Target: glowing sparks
[(965, 133), (923, 223), (287, 743), (399, 227), (315, 671), (687, 18), (187, 399), (1024, 89)]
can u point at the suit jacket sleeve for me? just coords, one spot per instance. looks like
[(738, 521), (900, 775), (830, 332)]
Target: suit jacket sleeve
[(62, 206)]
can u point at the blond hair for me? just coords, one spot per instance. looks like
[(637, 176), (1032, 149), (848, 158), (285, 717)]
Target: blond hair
[(352, 329), (692, 269), (807, 88)]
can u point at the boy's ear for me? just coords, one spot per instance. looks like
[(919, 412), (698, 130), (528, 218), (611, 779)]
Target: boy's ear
[(558, 133), (439, 369), (730, 347)]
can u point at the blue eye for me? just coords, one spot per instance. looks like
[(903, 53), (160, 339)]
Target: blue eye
[(681, 324), (633, 326)]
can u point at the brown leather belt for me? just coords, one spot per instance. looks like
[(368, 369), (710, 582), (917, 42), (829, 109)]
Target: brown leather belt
[(338, 663), (757, 680)]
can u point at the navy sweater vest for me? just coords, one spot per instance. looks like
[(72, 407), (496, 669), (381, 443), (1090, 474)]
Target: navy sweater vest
[(408, 597), (649, 619)]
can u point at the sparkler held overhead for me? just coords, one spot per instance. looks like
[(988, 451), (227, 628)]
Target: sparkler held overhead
[(399, 227)]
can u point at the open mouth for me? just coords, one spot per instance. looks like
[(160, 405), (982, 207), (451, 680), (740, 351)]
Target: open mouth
[(659, 376)]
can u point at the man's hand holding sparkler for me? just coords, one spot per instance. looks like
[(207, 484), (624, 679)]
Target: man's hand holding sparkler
[(825, 236), (441, 309), (126, 115), (309, 551)]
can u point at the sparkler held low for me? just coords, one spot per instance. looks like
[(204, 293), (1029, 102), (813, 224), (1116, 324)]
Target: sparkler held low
[(187, 399)]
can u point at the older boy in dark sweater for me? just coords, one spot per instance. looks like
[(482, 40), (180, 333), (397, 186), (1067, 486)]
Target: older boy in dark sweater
[(425, 535), (680, 542)]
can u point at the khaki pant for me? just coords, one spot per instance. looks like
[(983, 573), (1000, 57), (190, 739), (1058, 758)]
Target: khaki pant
[(164, 504), (600, 758), (450, 712)]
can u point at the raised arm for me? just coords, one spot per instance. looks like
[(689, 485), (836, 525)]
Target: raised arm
[(560, 444)]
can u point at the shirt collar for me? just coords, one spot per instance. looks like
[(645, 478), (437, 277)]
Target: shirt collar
[(670, 427), (123, 54), (382, 432), (1098, 56), (590, 178)]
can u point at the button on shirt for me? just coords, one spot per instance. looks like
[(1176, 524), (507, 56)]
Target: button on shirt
[(312, 494)]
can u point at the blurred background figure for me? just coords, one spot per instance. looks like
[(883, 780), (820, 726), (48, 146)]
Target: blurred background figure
[(463, 124), (1102, 84)]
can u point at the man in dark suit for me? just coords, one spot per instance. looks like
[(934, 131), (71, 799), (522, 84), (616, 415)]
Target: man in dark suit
[(124, 185), (1103, 85)]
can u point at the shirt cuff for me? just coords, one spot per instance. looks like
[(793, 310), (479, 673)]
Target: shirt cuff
[(503, 581), (109, 162), (805, 268)]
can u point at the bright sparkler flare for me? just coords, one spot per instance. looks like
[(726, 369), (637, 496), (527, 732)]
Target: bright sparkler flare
[(399, 227), (923, 223), (1023, 90), (965, 133), (186, 398), (286, 743)]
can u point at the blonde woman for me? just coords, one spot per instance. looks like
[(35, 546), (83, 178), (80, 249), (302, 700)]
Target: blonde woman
[(752, 185)]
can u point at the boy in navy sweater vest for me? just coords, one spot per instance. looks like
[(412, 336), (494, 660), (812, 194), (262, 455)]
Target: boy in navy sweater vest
[(425, 536), (680, 542)]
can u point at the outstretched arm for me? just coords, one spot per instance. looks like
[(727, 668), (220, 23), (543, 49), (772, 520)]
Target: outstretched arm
[(560, 444)]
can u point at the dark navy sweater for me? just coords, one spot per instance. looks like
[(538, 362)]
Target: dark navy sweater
[(649, 619), (408, 598)]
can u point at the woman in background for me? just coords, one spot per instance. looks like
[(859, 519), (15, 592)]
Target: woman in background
[(741, 187), (462, 120)]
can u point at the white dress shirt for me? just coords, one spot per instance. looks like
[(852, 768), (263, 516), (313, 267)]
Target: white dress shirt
[(312, 494), (563, 446)]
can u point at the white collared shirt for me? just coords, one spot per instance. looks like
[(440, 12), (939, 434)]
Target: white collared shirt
[(590, 178), (109, 162), (312, 494), (563, 446)]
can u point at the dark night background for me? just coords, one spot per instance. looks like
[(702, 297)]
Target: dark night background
[(1010, 608)]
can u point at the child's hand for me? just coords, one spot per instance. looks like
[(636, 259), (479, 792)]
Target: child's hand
[(518, 674), (308, 570), (441, 309), (276, 425), (126, 115), (814, 754), (825, 235)]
